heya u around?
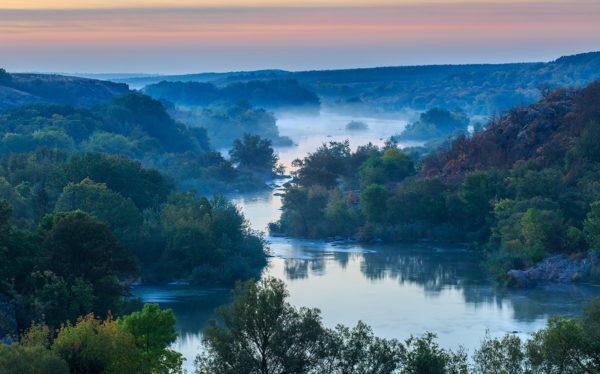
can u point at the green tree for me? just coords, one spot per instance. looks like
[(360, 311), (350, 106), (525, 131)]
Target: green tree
[(146, 187), (18, 359), (94, 346), (392, 166), (358, 350), (373, 202), (154, 330), (80, 247), (119, 213), (260, 332), (304, 210), (591, 226), (325, 166), (500, 355), (478, 191), (424, 356), (254, 153), (31, 355)]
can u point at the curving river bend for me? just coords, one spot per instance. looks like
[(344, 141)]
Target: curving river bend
[(399, 290)]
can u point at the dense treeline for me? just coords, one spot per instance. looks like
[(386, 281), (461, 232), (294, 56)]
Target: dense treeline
[(76, 230), (523, 188), (135, 343), (135, 126), (140, 206), (271, 94), (260, 332)]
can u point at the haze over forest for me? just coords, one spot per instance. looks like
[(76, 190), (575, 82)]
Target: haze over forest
[(300, 186)]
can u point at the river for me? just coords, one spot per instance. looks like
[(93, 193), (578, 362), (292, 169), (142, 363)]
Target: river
[(397, 289)]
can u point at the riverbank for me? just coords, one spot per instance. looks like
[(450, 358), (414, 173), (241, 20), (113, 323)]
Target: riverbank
[(559, 268)]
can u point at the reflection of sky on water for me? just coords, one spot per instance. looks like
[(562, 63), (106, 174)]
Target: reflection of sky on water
[(399, 290)]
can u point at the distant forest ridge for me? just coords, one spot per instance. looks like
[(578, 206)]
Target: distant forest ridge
[(350, 75), (475, 88)]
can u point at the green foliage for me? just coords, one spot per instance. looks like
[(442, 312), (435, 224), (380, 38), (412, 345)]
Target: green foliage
[(528, 228), (137, 343), (225, 123), (138, 127), (423, 355), (305, 208), (523, 188), (254, 153), (436, 123), (207, 238), (260, 332), (499, 355), (276, 93), (110, 217), (592, 227), (325, 166), (120, 214), (97, 346), (106, 142), (135, 112), (17, 359), (146, 187), (588, 146), (154, 330), (358, 350), (373, 202), (84, 252), (391, 167)]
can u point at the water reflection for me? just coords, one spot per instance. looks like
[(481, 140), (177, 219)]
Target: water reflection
[(432, 268), (399, 290)]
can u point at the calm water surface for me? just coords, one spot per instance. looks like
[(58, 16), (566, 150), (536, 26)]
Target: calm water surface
[(399, 290)]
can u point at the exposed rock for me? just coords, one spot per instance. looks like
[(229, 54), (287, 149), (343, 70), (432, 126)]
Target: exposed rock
[(558, 268)]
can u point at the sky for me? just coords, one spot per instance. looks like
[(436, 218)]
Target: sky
[(156, 36)]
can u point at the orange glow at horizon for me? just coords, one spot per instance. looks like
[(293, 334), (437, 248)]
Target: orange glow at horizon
[(297, 37)]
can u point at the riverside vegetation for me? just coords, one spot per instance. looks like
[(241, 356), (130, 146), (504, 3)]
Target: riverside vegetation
[(94, 199), (99, 196), (260, 333), (521, 189)]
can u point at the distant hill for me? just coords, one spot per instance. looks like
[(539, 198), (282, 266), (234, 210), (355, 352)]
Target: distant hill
[(144, 80), (269, 94), (23, 89), (475, 88)]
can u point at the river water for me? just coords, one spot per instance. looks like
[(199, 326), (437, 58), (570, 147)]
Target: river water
[(397, 289)]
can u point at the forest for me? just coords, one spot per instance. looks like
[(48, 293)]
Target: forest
[(94, 200), (269, 94), (100, 195), (522, 189)]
